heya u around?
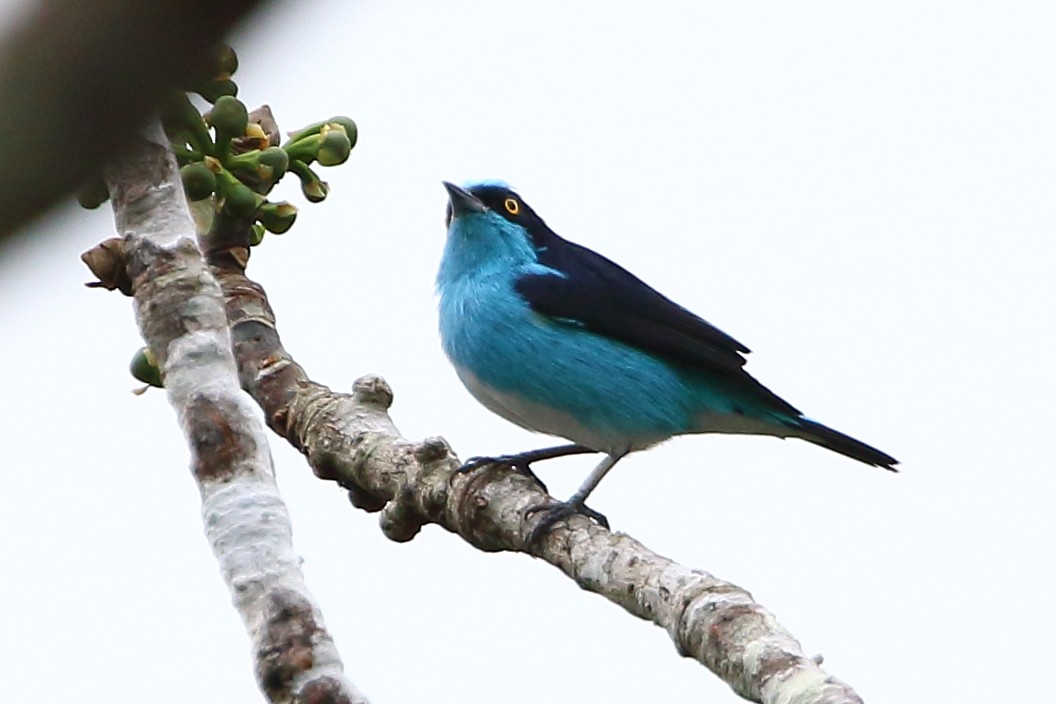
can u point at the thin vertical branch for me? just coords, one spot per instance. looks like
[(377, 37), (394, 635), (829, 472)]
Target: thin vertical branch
[(180, 309)]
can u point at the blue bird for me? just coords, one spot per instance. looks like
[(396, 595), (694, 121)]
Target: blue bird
[(558, 339)]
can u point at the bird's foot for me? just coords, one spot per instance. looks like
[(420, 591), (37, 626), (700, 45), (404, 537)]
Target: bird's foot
[(517, 463), (557, 512)]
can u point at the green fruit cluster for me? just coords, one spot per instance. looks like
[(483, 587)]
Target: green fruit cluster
[(226, 156)]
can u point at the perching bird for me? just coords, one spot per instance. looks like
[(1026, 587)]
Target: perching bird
[(560, 340)]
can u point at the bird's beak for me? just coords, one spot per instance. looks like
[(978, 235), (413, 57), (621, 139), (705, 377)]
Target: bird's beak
[(462, 201)]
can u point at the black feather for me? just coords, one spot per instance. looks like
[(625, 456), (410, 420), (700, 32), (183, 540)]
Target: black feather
[(844, 444), (609, 300), (603, 297)]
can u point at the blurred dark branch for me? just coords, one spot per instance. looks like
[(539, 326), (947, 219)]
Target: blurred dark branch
[(77, 78)]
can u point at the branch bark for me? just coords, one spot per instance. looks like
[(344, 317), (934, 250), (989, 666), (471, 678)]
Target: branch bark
[(351, 440), (180, 310)]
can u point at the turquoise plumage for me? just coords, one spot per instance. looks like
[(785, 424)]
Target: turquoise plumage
[(560, 340)]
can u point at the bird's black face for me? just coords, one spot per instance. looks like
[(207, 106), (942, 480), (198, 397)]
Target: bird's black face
[(509, 205), (496, 197), (504, 202)]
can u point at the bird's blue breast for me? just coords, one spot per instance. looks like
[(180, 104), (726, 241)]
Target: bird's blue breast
[(540, 372)]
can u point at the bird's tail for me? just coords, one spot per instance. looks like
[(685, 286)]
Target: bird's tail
[(836, 441)]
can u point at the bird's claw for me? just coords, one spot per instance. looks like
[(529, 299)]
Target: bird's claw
[(556, 512), (515, 463), (478, 462)]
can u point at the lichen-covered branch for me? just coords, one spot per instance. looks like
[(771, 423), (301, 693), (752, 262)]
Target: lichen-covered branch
[(180, 309), (350, 439)]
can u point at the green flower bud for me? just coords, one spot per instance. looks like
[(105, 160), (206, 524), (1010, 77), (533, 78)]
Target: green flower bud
[(310, 130), (239, 200), (334, 146), (313, 188), (329, 142), (228, 117), (199, 181), (272, 164), (304, 149), (93, 193), (145, 368), (351, 131), (217, 88), (256, 235), (226, 61), (315, 191), (277, 217)]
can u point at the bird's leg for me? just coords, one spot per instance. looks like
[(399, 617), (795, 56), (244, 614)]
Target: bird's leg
[(521, 462), (552, 513)]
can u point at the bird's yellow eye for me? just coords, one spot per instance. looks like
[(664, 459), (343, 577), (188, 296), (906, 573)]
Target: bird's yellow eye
[(512, 206)]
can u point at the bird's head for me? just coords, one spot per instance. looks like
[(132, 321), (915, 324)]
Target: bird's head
[(489, 227)]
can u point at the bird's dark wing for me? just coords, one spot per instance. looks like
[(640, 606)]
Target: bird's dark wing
[(607, 299)]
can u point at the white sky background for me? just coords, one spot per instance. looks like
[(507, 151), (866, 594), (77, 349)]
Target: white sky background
[(863, 195)]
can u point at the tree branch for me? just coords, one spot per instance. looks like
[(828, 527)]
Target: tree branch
[(350, 439), (180, 310)]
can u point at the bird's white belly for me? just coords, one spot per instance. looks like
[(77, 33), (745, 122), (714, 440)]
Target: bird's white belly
[(537, 416)]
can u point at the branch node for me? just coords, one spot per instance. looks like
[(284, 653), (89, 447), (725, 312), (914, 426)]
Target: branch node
[(365, 500), (106, 261), (431, 449), (350, 439), (399, 521), (372, 390)]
